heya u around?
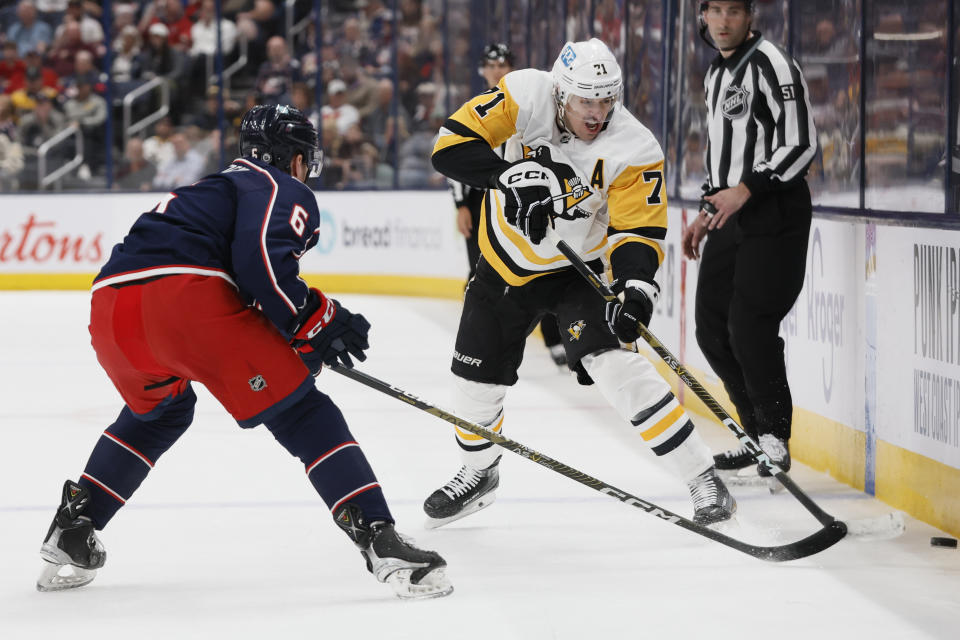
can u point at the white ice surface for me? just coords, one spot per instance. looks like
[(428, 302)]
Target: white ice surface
[(226, 538)]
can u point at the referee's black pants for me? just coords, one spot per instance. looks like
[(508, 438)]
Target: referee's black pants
[(751, 272)]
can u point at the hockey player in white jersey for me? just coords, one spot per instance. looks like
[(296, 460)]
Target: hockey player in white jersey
[(594, 173)]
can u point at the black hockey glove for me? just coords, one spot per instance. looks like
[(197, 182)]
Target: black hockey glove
[(325, 332), (634, 308), (527, 200)]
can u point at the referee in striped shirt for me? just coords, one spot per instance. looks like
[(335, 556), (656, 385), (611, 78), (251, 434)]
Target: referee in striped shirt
[(755, 214)]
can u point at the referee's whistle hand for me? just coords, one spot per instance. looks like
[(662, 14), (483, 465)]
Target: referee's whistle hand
[(693, 236)]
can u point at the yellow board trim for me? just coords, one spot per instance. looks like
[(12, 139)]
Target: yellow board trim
[(451, 288)]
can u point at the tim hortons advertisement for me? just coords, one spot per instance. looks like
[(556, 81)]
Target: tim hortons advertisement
[(918, 352), (64, 233)]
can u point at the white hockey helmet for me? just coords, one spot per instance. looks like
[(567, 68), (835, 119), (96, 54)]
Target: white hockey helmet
[(587, 69)]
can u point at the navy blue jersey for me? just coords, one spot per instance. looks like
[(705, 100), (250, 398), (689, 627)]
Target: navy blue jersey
[(248, 224)]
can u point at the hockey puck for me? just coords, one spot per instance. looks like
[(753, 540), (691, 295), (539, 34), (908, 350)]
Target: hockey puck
[(943, 542)]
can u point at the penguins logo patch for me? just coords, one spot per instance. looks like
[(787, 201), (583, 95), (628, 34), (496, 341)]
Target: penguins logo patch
[(734, 103), (576, 329), (574, 190)]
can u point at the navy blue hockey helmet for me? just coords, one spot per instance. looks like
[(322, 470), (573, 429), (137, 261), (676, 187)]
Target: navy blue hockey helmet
[(276, 133)]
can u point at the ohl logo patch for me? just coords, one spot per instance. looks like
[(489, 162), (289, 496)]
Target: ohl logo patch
[(734, 103), (257, 383), (576, 329)]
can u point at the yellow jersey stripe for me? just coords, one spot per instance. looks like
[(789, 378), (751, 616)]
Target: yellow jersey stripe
[(450, 140)]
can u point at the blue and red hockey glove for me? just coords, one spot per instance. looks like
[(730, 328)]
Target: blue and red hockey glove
[(325, 333)]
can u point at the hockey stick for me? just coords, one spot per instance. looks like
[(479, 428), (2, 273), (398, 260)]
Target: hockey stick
[(822, 516), (822, 539)]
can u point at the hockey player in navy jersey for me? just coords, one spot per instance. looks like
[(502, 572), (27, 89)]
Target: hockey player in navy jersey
[(206, 288)]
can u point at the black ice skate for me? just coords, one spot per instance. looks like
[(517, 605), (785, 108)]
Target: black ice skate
[(413, 573), (712, 501), (734, 459), (72, 553), (468, 492)]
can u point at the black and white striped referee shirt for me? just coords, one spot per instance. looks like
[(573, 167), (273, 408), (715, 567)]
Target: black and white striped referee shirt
[(759, 119)]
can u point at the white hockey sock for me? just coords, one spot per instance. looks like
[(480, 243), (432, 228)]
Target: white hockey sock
[(631, 384), (481, 403)]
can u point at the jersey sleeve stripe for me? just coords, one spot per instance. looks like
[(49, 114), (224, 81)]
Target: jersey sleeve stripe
[(264, 227)]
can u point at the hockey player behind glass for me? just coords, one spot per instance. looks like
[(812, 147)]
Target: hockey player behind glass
[(206, 288), (596, 173)]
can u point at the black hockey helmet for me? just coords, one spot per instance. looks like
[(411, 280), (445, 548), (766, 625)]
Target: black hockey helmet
[(702, 22), (276, 133), (497, 51)]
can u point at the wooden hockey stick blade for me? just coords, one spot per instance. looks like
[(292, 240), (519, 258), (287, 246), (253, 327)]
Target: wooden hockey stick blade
[(826, 537), (677, 367)]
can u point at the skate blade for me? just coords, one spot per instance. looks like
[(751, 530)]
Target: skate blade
[(433, 585), (51, 579), (473, 507)]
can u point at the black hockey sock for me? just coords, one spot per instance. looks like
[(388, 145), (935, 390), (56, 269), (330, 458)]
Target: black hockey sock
[(127, 451), (314, 430)]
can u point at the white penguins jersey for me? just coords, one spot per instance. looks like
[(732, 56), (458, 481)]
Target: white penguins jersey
[(614, 184)]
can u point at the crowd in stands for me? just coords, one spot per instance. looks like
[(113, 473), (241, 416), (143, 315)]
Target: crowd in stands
[(62, 60)]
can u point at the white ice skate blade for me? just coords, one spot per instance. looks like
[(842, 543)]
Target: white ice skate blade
[(481, 503), (433, 585), (72, 577)]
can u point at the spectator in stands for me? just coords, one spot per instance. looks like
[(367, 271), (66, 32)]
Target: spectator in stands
[(338, 114), (352, 46), (11, 65), (51, 11), (361, 88), (63, 54), (158, 148), (162, 60), (90, 30), (88, 110), (425, 106), (302, 99), (258, 21), (185, 167), (124, 15), (278, 73), (34, 61), (381, 125), (84, 67), (136, 172), (27, 31), (25, 98), (204, 32), (11, 153), (170, 14), (127, 60), (42, 123)]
